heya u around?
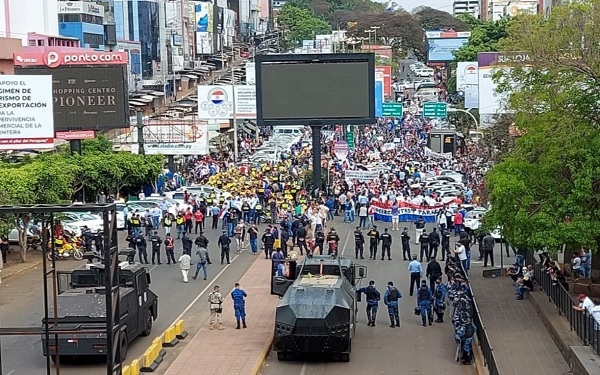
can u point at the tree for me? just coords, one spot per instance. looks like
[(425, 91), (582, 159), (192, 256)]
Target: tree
[(433, 19), (301, 24), (545, 193)]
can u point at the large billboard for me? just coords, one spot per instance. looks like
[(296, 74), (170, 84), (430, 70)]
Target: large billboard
[(386, 73), (442, 49), (204, 17), (217, 102), (467, 81), (329, 88), (87, 98), (26, 120)]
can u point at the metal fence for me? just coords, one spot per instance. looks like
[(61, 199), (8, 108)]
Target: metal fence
[(484, 341), (582, 323)]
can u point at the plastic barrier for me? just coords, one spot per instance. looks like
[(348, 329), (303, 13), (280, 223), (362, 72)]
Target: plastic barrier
[(135, 367), (161, 352), (149, 358), (126, 370), (180, 332), (170, 338)]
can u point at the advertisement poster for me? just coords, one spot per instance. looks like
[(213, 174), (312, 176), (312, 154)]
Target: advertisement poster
[(442, 49), (204, 43), (216, 102), (341, 150), (386, 73), (204, 13), (26, 110), (466, 74), (250, 73), (378, 98)]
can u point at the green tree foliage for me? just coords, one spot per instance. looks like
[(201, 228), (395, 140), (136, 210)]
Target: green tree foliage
[(553, 172), (300, 24), (433, 19)]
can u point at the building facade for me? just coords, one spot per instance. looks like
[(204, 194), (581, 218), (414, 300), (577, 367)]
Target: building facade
[(466, 6), (17, 20), (82, 20)]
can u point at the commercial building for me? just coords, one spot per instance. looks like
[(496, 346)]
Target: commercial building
[(83, 20), (19, 17), (8, 46), (466, 6)]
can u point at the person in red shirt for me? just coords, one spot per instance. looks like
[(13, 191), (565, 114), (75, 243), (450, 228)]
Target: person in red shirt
[(458, 223), (199, 218), (187, 216)]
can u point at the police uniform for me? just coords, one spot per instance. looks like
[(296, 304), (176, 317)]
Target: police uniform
[(319, 242), (445, 243), (359, 244), (405, 245), (424, 241), (140, 243), (268, 241), (373, 297), (239, 306), (170, 249), (386, 244), (424, 300), (156, 243), (390, 298), (224, 242), (373, 235)]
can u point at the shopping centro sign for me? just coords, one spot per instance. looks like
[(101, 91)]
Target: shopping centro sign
[(53, 59)]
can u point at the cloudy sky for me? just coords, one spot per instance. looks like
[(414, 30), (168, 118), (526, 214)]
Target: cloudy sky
[(445, 5)]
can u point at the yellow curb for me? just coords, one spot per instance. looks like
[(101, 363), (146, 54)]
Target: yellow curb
[(263, 356)]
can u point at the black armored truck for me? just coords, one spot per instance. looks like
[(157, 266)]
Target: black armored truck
[(81, 302), (317, 311)]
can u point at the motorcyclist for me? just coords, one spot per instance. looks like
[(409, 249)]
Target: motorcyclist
[(333, 239)]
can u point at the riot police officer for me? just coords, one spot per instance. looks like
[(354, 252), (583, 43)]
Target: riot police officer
[(223, 243), (445, 243), (373, 235), (373, 297), (424, 241), (88, 239), (319, 242), (359, 243), (156, 244), (405, 244), (386, 244), (268, 240), (434, 243), (140, 243), (424, 301)]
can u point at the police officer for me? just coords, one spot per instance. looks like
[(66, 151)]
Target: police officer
[(386, 244), (301, 239), (433, 271), (424, 301), (359, 243), (140, 243), (333, 239), (405, 244), (373, 235), (439, 300), (434, 243), (202, 241), (258, 209), (170, 249), (131, 241), (88, 239), (424, 241), (285, 236), (156, 243), (445, 243), (420, 227), (223, 243), (373, 297), (390, 298), (238, 296), (319, 242), (268, 240)]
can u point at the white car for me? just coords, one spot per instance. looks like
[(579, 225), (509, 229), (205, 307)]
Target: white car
[(457, 177), (78, 220), (207, 190), (473, 220)]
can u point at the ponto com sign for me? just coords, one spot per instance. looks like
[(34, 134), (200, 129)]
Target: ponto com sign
[(53, 59)]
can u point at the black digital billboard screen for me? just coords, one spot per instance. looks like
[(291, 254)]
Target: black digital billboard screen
[(328, 88), (87, 97)]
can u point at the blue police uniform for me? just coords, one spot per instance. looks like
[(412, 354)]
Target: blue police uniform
[(373, 297), (239, 306), (424, 300), (390, 298), (439, 302)]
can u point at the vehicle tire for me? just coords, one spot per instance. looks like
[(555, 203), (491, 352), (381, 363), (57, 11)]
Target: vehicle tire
[(149, 322), (345, 357), (124, 346), (77, 254), (282, 356)]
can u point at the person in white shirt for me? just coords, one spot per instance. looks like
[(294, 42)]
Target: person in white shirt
[(185, 262), (585, 303), (462, 255), (575, 265)]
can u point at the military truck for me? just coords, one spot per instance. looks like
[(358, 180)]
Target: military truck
[(317, 311), (81, 301)]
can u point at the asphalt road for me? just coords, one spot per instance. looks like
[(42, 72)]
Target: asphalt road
[(411, 349), (21, 305)]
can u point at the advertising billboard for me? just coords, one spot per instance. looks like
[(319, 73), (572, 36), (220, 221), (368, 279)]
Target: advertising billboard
[(80, 7), (204, 16), (466, 74), (329, 88), (178, 137), (54, 58), (26, 120), (86, 98), (204, 43), (442, 49), (250, 73), (386, 73), (217, 102), (173, 15)]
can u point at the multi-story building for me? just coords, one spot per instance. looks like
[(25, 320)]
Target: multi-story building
[(83, 20), (17, 19), (466, 6)]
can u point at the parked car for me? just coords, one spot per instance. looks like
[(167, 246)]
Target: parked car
[(79, 220)]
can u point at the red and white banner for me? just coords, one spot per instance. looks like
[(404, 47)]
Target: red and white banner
[(53, 58), (386, 73)]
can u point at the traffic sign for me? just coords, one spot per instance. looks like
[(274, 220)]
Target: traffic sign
[(435, 110), (350, 140), (392, 109)]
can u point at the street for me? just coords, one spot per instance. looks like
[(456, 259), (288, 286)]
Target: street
[(21, 304), (383, 350)]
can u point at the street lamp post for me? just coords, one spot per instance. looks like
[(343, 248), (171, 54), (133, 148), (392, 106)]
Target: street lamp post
[(370, 32), (375, 28)]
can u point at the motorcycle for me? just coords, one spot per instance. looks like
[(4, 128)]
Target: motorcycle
[(64, 250), (34, 243)]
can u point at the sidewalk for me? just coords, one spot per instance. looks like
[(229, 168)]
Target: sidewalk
[(519, 338), (14, 266), (233, 351)]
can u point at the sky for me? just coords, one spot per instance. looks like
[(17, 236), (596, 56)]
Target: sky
[(444, 5)]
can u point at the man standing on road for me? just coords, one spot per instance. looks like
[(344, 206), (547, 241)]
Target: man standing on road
[(386, 244), (424, 241), (215, 300), (223, 243), (170, 247), (439, 300), (424, 300), (141, 245), (416, 271), (186, 243), (202, 241), (359, 243), (201, 263), (405, 244), (434, 271), (488, 249), (253, 236), (185, 263), (268, 240), (419, 229), (373, 242), (156, 244), (390, 298), (445, 243), (373, 297), (239, 305), (434, 243), (461, 253)]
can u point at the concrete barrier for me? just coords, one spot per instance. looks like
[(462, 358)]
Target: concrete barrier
[(180, 332), (170, 338), (149, 359)]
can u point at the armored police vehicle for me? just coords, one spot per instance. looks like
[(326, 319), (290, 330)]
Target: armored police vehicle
[(81, 301), (317, 312)]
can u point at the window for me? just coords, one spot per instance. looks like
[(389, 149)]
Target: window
[(69, 17), (93, 39)]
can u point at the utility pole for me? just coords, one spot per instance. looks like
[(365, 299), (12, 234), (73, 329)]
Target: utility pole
[(140, 132)]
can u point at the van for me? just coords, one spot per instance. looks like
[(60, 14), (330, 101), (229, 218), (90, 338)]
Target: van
[(424, 72), (288, 130)]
